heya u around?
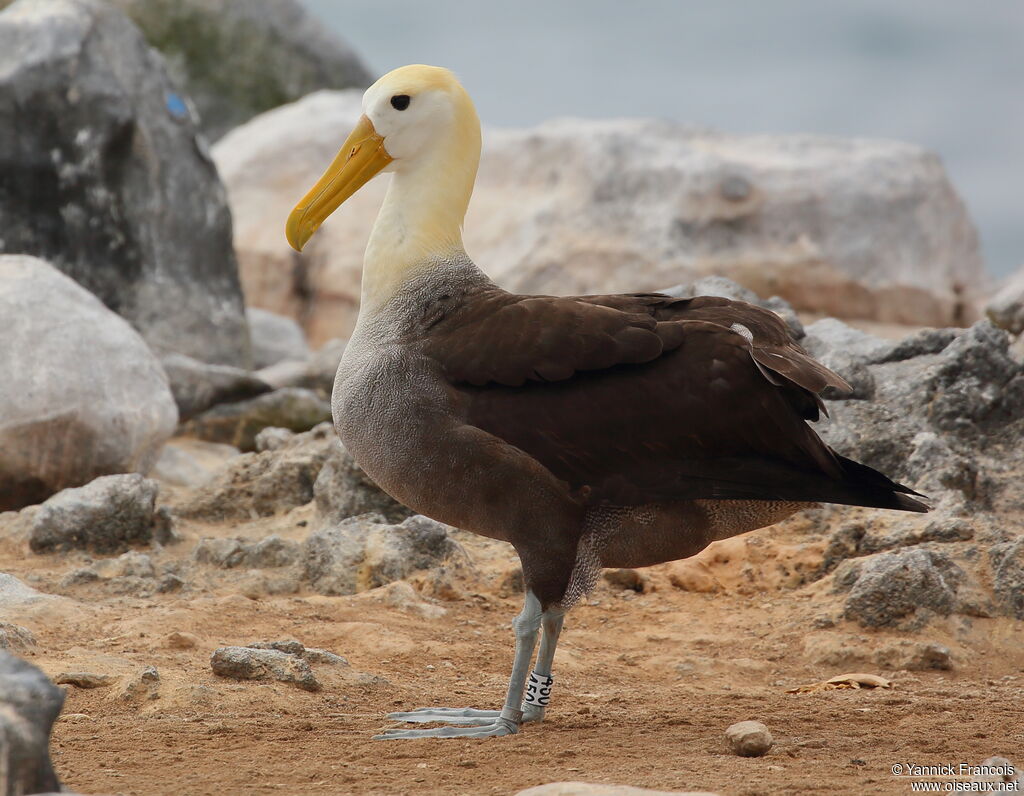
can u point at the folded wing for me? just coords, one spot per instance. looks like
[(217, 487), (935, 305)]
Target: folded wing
[(642, 398)]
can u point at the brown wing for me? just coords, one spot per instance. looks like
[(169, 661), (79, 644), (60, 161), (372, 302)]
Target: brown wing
[(642, 398)]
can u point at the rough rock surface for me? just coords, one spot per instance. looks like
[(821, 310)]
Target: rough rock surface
[(271, 551), (237, 58), (887, 588), (15, 637), (81, 393), (849, 227), (105, 516), (246, 663), (749, 738), (264, 483), (947, 407), (275, 338), (197, 385), (105, 177), (29, 705), (364, 552), (343, 490), (1006, 308), (238, 423)]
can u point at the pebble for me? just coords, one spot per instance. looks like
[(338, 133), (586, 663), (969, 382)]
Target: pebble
[(246, 663), (83, 679), (749, 738)]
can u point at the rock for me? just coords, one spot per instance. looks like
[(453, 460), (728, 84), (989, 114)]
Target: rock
[(273, 551), (976, 385), (271, 438), (891, 587), (191, 462), (363, 552), (308, 654), (15, 594), (749, 738), (946, 409), (82, 395), (238, 423), (1007, 563), (262, 484), (343, 489), (106, 516), (594, 789), (576, 206), (275, 338), (141, 687), (15, 637), (848, 352), (83, 679), (197, 386), (238, 58), (179, 640), (29, 705), (843, 650), (105, 177), (245, 663), (1006, 308), (316, 373), (915, 656)]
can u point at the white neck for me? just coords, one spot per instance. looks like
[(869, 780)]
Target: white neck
[(420, 220)]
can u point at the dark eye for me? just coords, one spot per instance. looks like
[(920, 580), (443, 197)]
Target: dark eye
[(400, 102)]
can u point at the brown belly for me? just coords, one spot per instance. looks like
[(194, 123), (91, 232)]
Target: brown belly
[(639, 536)]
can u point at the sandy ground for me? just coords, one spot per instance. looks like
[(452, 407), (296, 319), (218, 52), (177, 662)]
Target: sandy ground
[(646, 682)]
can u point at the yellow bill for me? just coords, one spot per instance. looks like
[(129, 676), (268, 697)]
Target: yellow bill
[(361, 157)]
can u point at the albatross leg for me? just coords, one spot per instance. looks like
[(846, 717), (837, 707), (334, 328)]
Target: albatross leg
[(484, 723), (538, 690)]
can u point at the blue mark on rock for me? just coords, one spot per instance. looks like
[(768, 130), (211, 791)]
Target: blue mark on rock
[(176, 105)]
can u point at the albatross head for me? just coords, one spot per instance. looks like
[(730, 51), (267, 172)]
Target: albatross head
[(418, 122)]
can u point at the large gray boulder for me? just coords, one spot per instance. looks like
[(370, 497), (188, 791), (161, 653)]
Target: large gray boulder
[(238, 58), (81, 396), (854, 228), (104, 175), (29, 705)]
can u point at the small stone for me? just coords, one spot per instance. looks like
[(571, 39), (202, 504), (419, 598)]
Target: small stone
[(83, 679), (141, 687), (16, 638), (749, 738), (246, 663), (181, 641)]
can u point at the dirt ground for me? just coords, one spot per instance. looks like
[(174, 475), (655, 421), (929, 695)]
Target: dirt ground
[(646, 682)]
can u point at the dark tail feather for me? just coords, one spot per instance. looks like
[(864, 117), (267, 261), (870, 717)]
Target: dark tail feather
[(881, 491)]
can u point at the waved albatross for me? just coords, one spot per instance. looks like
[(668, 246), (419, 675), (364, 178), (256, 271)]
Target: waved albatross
[(587, 431)]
